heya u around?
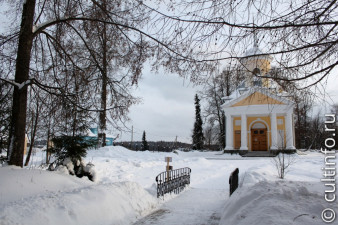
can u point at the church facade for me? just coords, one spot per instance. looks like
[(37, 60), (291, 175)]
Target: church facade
[(259, 117)]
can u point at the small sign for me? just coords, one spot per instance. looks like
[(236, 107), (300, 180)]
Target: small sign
[(168, 159)]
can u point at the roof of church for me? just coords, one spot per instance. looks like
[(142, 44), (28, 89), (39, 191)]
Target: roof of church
[(241, 93), (253, 51)]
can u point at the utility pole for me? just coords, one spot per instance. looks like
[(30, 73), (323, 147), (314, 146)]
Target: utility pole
[(176, 142), (132, 134)]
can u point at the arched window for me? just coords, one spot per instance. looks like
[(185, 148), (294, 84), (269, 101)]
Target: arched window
[(257, 81), (258, 125), (256, 71)]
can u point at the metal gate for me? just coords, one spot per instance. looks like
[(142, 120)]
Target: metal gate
[(172, 181)]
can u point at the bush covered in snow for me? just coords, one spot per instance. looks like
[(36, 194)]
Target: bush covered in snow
[(69, 151)]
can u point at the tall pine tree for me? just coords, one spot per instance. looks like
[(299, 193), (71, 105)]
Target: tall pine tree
[(197, 136), (144, 142)]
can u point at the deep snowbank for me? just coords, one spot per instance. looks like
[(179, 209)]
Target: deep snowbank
[(41, 197), (280, 202), (18, 184), (125, 190)]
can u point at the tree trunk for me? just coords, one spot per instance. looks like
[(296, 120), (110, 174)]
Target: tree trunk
[(223, 131), (35, 122), (227, 90), (47, 148), (103, 116), (18, 125)]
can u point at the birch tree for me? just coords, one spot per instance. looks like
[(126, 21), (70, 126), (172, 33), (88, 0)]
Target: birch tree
[(50, 41), (216, 88), (301, 36)]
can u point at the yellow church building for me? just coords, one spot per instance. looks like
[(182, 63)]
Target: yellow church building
[(258, 117)]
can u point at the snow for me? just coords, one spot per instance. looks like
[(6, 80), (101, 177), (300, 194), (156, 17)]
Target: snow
[(278, 202), (124, 191), (38, 26), (90, 133), (189, 208), (18, 85), (42, 197), (253, 51), (257, 53)]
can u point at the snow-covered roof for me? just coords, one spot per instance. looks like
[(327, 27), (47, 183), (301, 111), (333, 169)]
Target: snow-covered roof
[(253, 51), (91, 134), (257, 52)]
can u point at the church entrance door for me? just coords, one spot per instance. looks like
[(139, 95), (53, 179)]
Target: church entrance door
[(259, 139)]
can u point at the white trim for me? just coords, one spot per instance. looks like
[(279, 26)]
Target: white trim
[(244, 133), (289, 131), (259, 110), (259, 126), (229, 132), (274, 140)]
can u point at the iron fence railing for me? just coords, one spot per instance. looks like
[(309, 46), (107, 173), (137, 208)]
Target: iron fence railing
[(172, 181)]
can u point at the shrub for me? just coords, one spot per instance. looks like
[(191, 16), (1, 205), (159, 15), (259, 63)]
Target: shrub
[(69, 151)]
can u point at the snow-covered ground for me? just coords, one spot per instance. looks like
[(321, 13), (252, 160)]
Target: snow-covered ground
[(125, 191)]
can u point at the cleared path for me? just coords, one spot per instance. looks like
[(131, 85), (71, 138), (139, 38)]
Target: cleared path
[(192, 207)]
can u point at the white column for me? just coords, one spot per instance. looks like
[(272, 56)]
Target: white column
[(273, 120), (229, 133), (244, 133), (289, 131)]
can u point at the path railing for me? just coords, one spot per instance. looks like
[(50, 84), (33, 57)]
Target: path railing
[(172, 181), (233, 181)]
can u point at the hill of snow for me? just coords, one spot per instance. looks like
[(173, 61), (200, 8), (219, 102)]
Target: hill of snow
[(276, 203), (41, 197), (125, 191)]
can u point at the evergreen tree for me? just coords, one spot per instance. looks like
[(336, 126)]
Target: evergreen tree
[(197, 137), (144, 142), (69, 152)]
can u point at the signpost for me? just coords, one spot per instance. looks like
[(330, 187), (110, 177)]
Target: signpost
[(168, 167)]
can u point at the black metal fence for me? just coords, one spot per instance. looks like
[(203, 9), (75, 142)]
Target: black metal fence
[(172, 181), (233, 181)]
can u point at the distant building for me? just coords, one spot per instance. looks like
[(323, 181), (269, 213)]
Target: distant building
[(258, 116), (92, 134)]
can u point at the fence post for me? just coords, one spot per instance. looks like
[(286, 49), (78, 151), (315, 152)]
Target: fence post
[(233, 181), (168, 168)]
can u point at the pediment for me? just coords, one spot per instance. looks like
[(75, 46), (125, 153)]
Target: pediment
[(257, 98)]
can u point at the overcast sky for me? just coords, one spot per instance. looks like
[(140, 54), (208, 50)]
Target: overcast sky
[(167, 109)]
